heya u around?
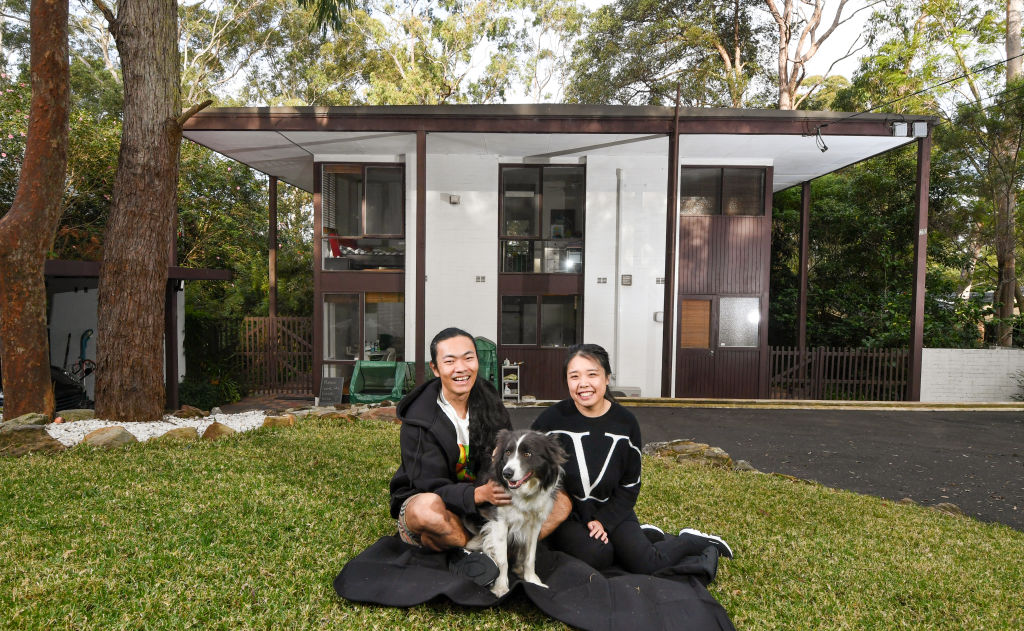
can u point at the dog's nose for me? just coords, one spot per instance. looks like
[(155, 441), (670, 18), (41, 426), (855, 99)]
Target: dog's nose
[(507, 473)]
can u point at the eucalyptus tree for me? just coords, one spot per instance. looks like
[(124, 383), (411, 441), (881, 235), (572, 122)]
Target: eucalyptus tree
[(27, 228), (960, 60), (638, 51)]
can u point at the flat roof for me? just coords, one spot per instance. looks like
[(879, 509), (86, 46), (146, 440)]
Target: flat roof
[(285, 142)]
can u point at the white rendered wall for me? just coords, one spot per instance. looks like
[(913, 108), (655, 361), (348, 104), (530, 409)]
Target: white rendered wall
[(462, 244), (618, 317), (962, 374)]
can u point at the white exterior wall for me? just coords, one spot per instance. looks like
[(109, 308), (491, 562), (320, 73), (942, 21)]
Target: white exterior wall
[(618, 317), (462, 244), (961, 374)]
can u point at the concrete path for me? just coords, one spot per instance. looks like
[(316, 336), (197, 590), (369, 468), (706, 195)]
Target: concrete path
[(972, 458)]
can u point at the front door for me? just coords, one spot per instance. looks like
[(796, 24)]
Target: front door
[(718, 353)]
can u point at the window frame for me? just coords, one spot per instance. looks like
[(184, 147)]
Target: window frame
[(538, 326), (537, 239), (329, 168), (761, 207)]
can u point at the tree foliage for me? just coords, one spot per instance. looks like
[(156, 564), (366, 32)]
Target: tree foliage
[(635, 52)]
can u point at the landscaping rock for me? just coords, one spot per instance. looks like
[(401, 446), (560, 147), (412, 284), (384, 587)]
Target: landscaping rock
[(381, 414), (906, 501), (32, 418), (690, 452), (285, 420), (743, 465), (217, 430), (949, 509), (18, 440), (180, 434), (190, 412), (70, 416), (109, 437), (215, 410)]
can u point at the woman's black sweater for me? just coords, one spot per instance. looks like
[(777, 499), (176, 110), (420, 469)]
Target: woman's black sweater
[(603, 471)]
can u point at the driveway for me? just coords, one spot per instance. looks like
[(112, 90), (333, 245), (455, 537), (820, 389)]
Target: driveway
[(974, 459)]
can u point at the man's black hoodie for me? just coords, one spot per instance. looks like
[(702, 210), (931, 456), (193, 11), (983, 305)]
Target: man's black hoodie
[(430, 452)]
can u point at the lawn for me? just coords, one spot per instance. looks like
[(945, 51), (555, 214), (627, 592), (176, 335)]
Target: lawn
[(248, 533)]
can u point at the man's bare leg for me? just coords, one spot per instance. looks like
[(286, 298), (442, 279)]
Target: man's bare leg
[(438, 528)]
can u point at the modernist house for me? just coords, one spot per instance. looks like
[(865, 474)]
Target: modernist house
[(644, 229)]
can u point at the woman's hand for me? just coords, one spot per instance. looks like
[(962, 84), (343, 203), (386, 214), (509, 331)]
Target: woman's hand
[(491, 492), (597, 531)]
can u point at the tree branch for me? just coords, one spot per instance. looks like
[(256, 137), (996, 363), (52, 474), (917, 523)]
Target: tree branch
[(190, 112), (107, 13)]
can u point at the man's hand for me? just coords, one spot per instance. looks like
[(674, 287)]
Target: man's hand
[(597, 531), (491, 492)]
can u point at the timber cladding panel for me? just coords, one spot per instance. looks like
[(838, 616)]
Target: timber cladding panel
[(695, 323), (723, 255)]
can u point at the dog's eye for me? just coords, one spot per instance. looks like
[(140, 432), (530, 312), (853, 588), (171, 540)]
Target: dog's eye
[(508, 452), (527, 454)]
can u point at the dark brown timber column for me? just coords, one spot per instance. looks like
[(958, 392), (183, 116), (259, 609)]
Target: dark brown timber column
[(924, 160), (668, 316), (805, 231), (421, 250), (272, 249)]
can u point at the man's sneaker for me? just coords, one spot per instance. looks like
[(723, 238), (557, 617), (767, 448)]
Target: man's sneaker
[(654, 534), (718, 542), (475, 566)]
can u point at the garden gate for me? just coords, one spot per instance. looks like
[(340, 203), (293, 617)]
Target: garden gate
[(277, 354)]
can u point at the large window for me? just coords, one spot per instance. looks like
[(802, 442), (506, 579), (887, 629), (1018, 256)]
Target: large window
[(721, 191), (363, 214), (367, 325), (542, 217), (552, 321)]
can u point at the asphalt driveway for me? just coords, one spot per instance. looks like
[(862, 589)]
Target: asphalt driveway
[(974, 459)]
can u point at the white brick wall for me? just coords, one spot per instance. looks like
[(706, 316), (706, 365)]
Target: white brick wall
[(962, 374)]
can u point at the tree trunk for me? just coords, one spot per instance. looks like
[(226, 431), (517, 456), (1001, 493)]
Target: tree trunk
[(133, 277), (1006, 150), (28, 228)]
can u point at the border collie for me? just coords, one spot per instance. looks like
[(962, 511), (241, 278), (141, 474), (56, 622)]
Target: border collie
[(528, 465)]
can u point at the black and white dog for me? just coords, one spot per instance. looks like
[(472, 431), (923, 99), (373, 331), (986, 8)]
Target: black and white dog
[(529, 465)]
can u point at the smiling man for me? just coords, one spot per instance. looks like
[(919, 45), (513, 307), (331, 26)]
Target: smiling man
[(449, 425)]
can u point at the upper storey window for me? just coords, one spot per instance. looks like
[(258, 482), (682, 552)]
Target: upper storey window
[(363, 213), (721, 191), (542, 217)]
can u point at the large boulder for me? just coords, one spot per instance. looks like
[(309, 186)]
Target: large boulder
[(285, 420), (32, 418), (690, 452), (82, 414), (109, 438), (387, 413), (179, 434), (188, 411), (18, 440), (217, 430)]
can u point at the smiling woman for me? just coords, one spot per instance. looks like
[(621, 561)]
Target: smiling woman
[(602, 476)]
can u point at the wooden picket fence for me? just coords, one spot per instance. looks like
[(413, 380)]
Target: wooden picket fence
[(277, 354), (839, 374)]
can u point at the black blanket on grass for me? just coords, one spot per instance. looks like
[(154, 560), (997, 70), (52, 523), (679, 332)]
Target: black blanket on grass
[(395, 574)]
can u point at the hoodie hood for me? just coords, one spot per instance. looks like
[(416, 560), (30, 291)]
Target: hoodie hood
[(420, 406)]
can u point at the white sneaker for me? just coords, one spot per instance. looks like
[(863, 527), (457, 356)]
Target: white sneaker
[(654, 534), (718, 542)]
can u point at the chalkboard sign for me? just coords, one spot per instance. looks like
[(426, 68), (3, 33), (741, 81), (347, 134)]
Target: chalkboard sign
[(331, 389)]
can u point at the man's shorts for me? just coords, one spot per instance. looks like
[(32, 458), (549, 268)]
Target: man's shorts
[(404, 533)]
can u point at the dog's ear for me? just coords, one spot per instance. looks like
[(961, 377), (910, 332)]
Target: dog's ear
[(499, 443), (558, 455)]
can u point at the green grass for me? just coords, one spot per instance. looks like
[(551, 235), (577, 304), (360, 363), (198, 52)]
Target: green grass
[(248, 533)]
